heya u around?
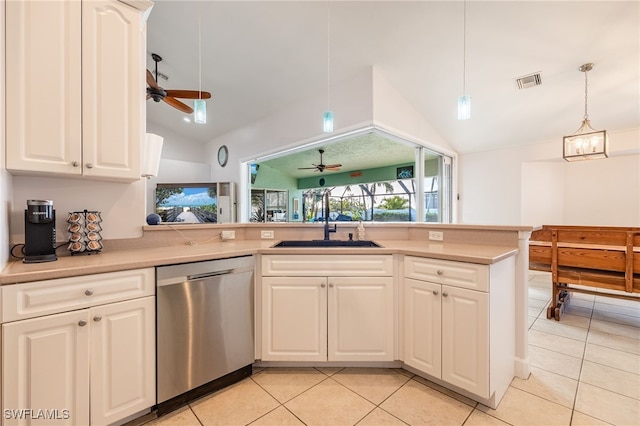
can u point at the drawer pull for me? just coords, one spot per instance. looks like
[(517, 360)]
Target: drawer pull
[(74, 164), (435, 292), (323, 285), (331, 285), (445, 294), (97, 318), (89, 166), (88, 292), (82, 323), (440, 272)]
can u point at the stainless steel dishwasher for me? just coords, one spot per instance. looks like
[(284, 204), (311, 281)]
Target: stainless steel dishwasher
[(205, 332)]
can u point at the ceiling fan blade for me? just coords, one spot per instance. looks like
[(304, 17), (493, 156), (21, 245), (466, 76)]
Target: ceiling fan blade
[(332, 166), (188, 94), (306, 168), (178, 105), (151, 81)]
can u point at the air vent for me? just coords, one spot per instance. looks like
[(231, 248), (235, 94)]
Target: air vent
[(528, 81)]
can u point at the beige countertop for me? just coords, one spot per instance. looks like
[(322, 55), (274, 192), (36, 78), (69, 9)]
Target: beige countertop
[(123, 259)]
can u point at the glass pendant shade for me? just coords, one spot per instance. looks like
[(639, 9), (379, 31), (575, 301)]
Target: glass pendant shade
[(327, 122), (152, 151), (200, 111), (464, 107), (586, 143)]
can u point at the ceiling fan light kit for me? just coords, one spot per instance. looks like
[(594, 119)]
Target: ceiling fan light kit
[(586, 143)]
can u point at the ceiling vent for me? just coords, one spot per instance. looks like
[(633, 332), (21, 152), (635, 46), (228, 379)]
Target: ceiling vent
[(528, 81)]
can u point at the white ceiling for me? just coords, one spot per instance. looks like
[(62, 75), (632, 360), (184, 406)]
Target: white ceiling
[(259, 57)]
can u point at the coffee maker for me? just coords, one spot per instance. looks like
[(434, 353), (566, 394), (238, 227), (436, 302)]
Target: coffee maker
[(39, 232)]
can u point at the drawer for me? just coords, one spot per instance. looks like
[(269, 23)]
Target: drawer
[(34, 299), (325, 265), (459, 274)]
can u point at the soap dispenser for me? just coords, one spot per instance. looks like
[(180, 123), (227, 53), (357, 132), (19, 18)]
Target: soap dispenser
[(360, 232)]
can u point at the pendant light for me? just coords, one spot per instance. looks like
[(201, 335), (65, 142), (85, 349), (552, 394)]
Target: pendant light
[(199, 105), (327, 118), (464, 101), (586, 142)]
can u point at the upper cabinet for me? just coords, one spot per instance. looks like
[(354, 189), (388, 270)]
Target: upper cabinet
[(75, 88)]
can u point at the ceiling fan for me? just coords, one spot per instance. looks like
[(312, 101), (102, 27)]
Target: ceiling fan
[(158, 94), (322, 167)]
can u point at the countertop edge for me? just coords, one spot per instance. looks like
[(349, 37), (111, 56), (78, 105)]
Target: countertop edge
[(119, 260)]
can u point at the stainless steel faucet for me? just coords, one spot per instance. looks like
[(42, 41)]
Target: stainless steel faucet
[(327, 228)]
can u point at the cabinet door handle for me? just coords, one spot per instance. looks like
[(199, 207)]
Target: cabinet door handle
[(435, 292), (88, 292), (89, 166), (331, 285), (82, 323), (440, 272), (97, 318), (323, 285), (445, 294), (74, 164)]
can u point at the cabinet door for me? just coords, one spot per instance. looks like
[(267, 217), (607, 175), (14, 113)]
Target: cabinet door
[(422, 326), (360, 319), (465, 339), (113, 89), (294, 318), (43, 86), (45, 366), (122, 359)]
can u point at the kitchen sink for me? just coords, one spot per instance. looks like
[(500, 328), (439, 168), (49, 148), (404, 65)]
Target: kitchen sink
[(326, 243)]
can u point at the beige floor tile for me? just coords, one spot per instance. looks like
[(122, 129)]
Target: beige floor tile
[(613, 358), (530, 322), (580, 419), (579, 302), (613, 341), (539, 293), (617, 329), (522, 408), (479, 418), (576, 316), (583, 296), (624, 310), (534, 312), (551, 386), (613, 379), (535, 303), (578, 311), (181, 417), (555, 362), (557, 343), (374, 384), (633, 304), (329, 403), (470, 402), (379, 417), (329, 371), (286, 383), (238, 404), (607, 406), (417, 404), (616, 318), (280, 416), (560, 328)]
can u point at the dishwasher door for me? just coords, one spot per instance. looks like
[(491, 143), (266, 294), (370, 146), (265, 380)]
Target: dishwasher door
[(204, 323)]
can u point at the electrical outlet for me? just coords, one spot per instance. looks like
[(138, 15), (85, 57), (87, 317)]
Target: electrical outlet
[(267, 235), (228, 235), (436, 235)]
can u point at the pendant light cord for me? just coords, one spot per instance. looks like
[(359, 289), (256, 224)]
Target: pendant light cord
[(464, 47), (586, 82), (328, 58), (199, 52)]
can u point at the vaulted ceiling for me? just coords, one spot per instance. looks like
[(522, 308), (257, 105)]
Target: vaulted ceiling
[(262, 56)]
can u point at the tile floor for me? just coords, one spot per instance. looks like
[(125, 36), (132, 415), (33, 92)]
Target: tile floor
[(585, 370)]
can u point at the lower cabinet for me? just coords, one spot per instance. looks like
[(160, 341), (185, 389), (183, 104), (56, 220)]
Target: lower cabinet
[(91, 366), (458, 324), (346, 317)]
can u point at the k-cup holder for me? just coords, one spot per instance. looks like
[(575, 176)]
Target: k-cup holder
[(84, 232)]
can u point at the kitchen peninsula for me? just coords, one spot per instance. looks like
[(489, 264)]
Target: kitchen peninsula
[(482, 270)]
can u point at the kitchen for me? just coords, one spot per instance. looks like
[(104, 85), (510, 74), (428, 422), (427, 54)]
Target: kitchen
[(516, 171)]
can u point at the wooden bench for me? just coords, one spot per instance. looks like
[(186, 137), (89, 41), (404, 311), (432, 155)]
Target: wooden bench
[(607, 258)]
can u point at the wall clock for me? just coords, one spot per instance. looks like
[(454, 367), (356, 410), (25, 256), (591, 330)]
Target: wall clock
[(223, 155)]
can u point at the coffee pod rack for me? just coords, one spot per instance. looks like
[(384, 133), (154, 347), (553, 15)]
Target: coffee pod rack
[(84, 232)]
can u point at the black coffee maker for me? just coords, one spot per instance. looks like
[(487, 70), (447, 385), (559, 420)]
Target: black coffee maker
[(39, 232)]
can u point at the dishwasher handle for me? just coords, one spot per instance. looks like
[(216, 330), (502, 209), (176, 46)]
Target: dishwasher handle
[(201, 276)]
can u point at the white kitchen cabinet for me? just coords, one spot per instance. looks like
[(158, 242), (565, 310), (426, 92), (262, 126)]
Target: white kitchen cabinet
[(97, 362), (75, 88), (461, 334), (342, 317)]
